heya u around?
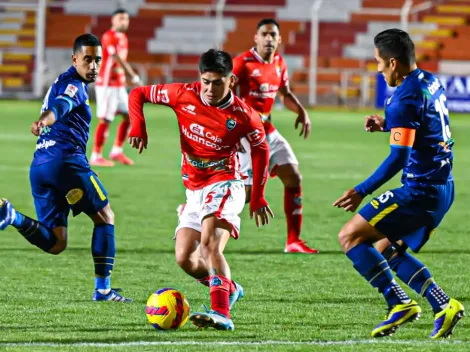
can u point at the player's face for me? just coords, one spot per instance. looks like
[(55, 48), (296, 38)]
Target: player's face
[(267, 39), (216, 86), (388, 68), (120, 22), (87, 61)]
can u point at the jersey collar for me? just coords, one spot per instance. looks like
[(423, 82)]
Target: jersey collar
[(258, 57), (224, 106)]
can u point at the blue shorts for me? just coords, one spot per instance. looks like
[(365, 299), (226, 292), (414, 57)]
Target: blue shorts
[(65, 184), (410, 214)]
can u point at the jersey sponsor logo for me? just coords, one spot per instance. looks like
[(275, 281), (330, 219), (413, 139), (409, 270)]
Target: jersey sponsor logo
[(256, 73), (238, 108), (45, 144), (74, 195), (208, 138), (71, 90), (434, 87), (206, 163), (198, 129)]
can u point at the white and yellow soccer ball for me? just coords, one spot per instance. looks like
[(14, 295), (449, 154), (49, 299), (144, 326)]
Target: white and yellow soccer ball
[(167, 309)]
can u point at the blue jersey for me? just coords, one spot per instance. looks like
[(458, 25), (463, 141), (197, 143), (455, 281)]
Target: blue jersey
[(420, 103), (68, 136)]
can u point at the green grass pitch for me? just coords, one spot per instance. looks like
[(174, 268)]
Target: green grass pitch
[(293, 302)]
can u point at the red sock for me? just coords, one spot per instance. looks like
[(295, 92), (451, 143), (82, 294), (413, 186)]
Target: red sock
[(101, 134), (122, 131), (206, 282), (220, 291), (293, 210)]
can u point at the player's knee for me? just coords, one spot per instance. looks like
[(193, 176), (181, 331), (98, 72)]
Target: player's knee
[(183, 258), (293, 179), (347, 237), (59, 247), (104, 216)]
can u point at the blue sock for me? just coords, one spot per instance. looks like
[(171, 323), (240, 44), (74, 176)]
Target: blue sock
[(374, 268), (35, 232), (412, 272), (103, 249)]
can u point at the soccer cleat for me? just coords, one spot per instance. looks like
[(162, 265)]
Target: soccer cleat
[(100, 161), (113, 295), (7, 213), (212, 319), (237, 295), (446, 320), (299, 246), (396, 317), (121, 158)]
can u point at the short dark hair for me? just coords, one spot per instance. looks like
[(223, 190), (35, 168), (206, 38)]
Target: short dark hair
[(268, 21), (87, 39), (119, 11), (397, 44), (215, 60)]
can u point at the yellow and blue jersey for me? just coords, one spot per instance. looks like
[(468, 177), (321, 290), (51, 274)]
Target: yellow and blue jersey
[(420, 103), (68, 136)]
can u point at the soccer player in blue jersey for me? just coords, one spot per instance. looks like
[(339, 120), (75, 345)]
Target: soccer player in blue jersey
[(60, 176), (420, 143)]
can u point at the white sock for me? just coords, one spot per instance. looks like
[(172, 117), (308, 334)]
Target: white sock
[(95, 156), (116, 150)]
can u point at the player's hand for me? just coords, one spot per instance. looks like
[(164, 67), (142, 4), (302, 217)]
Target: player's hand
[(37, 126), (263, 214), (374, 123), (350, 200), (304, 120), (138, 143), (136, 81)]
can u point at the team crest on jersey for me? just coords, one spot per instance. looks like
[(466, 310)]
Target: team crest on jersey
[(230, 123), (278, 70)]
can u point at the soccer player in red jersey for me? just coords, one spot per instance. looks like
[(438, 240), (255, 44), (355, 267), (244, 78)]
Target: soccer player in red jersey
[(261, 74), (111, 94), (211, 121)]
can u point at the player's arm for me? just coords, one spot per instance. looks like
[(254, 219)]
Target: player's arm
[(135, 79), (68, 98), (402, 121), (162, 94), (260, 162), (401, 143), (291, 102)]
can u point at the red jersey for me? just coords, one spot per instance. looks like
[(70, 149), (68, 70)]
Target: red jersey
[(209, 135), (111, 73), (259, 82)]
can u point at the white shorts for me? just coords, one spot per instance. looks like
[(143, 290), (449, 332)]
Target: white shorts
[(223, 199), (111, 101), (280, 153)]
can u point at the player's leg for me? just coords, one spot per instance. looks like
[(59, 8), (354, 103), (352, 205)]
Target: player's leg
[(416, 275), (106, 104), (284, 164), (214, 233), (188, 250), (117, 152), (49, 232), (222, 203), (356, 238), (85, 193), (447, 311)]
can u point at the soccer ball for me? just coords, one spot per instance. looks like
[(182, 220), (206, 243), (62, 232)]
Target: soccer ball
[(167, 309)]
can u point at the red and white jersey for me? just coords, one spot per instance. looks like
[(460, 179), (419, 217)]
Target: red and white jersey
[(111, 73), (209, 135), (259, 82)]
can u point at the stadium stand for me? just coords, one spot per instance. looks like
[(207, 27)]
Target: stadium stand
[(167, 37)]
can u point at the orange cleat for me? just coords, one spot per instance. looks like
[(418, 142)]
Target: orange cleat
[(100, 161)]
